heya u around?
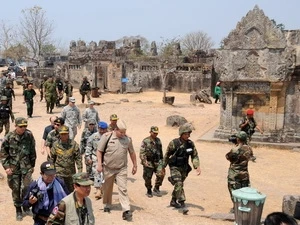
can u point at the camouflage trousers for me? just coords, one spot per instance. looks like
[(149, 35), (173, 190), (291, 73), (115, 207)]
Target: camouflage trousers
[(68, 182), (234, 185), (50, 101), (148, 173), (178, 175), (6, 125), (19, 184)]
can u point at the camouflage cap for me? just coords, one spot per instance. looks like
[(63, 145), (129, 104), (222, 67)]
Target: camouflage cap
[(48, 168), (114, 117), (154, 129), (242, 135), (21, 121), (91, 103), (59, 120), (3, 98), (91, 121), (82, 179), (185, 128), (72, 99), (63, 130)]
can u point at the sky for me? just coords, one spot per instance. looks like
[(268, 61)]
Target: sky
[(156, 20)]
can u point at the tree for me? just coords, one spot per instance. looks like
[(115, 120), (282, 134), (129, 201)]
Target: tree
[(16, 52), (48, 49), (194, 41), (7, 35), (280, 25), (35, 30)]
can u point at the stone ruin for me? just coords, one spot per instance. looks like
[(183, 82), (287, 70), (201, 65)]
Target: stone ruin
[(259, 68)]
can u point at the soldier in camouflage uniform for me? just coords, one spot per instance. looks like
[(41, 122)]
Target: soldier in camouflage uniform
[(151, 156), (18, 156), (41, 88), (86, 133), (53, 135), (113, 122), (90, 113), (25, 82), (5, 113), (239, 156), (68, 89), (51, 93), (65, 154), (72, 117), (91, 158), (177, 155), (9, 93)]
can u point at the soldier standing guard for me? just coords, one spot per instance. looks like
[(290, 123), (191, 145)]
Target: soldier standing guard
[(85, 89), (18, 156), (5, 113), (29, 94), (151, 156), (51, 92), (65, 154), (177, 156)]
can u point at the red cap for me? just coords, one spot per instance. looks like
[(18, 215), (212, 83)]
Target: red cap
[(250, 112)]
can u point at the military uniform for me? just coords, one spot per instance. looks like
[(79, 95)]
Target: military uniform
[(113, 125), (64, 156), (5, 113), (151, 156), (3, 81), (9, 93), (86, 133), (85, 89), (90, 113), (28, 99), (18, 157), (41, 88), (60, 88), (68, 89), (239, 156), (50, 94), (69, 212)]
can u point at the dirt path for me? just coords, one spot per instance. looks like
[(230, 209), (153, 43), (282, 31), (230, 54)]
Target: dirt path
[(274, 173)]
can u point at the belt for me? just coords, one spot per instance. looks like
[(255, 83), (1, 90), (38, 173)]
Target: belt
[(44, 218)]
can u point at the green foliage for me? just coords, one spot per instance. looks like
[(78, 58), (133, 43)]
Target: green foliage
[(48, 49), (281, 26), (16, 52)]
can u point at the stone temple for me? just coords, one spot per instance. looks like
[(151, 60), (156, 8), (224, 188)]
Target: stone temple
[(259, 68)]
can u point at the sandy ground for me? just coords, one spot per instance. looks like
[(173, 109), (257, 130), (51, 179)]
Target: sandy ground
[(274, 173)]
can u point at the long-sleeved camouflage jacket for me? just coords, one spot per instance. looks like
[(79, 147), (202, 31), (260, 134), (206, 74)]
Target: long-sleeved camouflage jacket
[(151, 153)]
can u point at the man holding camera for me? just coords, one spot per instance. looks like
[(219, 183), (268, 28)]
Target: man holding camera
[(45, 193)]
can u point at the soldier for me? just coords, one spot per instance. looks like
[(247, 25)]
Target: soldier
[(51, 93), (239, 156), (177, 156), (9, 93), (65, 154), (60, 89), (90, 113), (53, 135), (5, 113), (47, 130), (113, 147), (18, 157), (151, 156), (29, 94), (10, 80), (3, 81), (76, 208), (25, 82), (68, 89), (91, 158), (72, 117), (113, 122), (41, 88), (85, 89), (86, 133)]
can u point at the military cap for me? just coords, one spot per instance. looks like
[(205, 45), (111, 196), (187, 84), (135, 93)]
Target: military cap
[(122, 125), (114, 117), (242, 135), (72, 99), (63, 130), (82, 179), (3, 98), (185, 128), (91, 121), (59, 120), (91, 103), (154, 129), (21, 121), (250, 111), (48, 168), (102, 125)]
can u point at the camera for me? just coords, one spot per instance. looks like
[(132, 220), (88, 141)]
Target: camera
[(37, 193), (233, 139)]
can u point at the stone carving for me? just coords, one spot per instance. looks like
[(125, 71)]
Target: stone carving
[(153, 49)]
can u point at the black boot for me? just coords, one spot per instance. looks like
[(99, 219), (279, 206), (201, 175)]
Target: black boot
[(156, 191), (184, 208), (127, 215), (19, 216), (175, 204), (149, 193)]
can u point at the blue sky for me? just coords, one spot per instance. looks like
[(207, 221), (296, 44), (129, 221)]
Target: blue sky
[(94, 20)]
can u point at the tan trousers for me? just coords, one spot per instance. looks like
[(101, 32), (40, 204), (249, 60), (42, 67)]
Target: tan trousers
[(121, 178)]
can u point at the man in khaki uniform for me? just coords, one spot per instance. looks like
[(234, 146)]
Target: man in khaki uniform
[(115, 145)]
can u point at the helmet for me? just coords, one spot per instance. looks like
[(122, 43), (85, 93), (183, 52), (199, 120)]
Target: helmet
[(185, 128), (242, 135)]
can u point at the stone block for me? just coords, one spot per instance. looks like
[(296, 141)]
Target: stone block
[(289, 203)]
